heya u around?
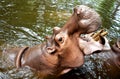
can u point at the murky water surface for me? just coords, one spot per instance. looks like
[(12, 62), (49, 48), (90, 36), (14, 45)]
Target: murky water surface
[(27, 22)]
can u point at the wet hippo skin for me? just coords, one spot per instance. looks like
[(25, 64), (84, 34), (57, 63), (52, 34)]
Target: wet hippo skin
[(62, 51), (48, 61)]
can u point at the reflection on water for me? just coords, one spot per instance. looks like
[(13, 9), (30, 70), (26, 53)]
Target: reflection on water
[(27, 22)]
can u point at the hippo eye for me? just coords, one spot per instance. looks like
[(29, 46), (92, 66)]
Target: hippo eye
[(60, 39)]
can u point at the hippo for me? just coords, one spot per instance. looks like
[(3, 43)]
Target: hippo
[(64, 50)]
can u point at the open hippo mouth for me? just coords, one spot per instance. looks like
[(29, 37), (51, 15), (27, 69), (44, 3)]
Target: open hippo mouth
[(51, 59)]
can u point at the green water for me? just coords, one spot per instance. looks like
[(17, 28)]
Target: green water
[(27, 22)]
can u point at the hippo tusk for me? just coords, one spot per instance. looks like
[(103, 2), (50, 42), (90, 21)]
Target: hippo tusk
[(96, 36)]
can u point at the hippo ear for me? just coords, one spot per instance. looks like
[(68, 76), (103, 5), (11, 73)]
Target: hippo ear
[(51, 50), (56, 30)]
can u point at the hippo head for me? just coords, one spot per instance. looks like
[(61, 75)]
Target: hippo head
[(70, 47)]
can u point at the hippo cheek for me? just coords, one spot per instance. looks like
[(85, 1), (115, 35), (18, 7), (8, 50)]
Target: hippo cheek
[(51, 58), (72, 60), (69, 52)]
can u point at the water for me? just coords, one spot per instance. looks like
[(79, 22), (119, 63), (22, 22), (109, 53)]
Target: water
[(27, 22)]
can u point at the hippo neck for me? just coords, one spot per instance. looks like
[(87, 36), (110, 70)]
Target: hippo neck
[(33, 54)]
